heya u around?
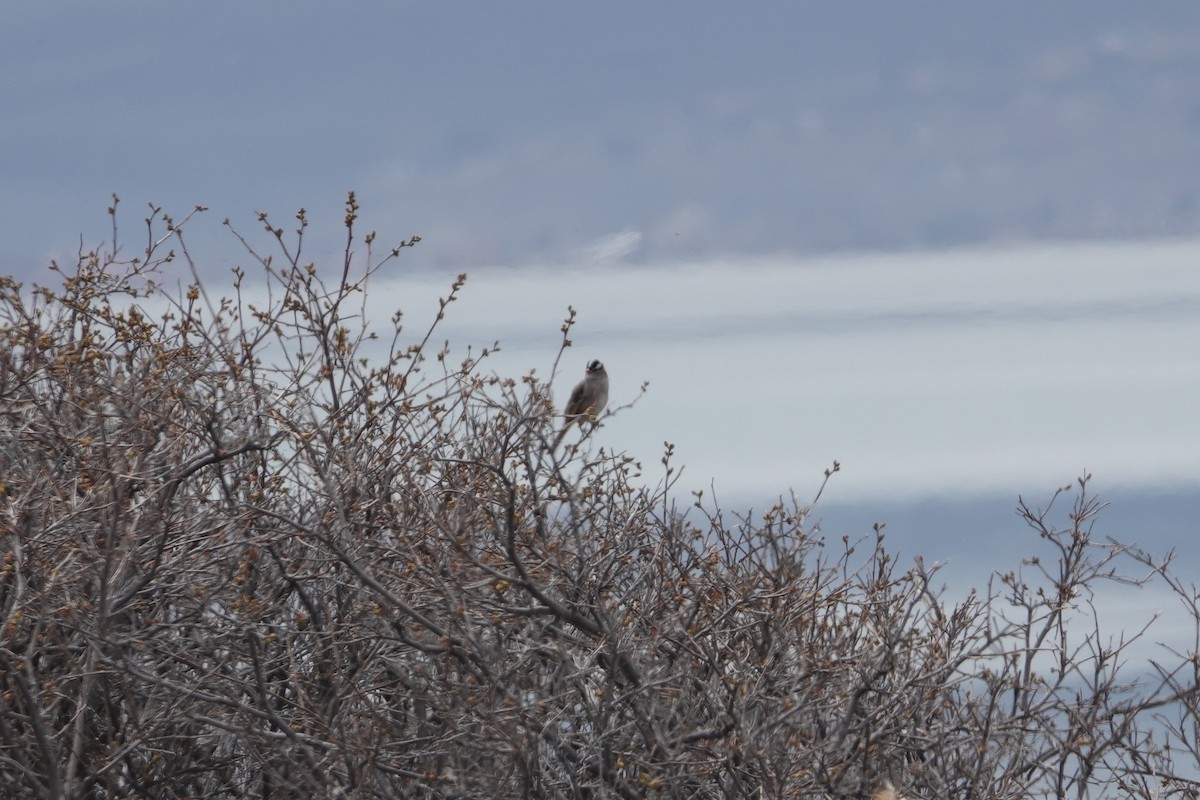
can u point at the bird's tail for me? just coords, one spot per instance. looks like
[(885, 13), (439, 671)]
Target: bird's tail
[(561, 433)]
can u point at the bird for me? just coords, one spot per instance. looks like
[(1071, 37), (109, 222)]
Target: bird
[(886, 791), (588, 399)]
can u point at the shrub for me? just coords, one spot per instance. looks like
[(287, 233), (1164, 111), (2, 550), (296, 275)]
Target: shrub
[(241, 556)]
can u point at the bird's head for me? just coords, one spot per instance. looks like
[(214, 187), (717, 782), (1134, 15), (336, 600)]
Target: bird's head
[(594, 366)]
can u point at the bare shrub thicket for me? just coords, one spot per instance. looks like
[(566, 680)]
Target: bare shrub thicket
[(249, 549)]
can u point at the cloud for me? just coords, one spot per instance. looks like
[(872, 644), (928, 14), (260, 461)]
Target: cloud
[(925, 373), (612, 248)]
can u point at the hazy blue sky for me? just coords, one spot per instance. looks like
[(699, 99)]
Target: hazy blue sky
[(511, 132), (821, 230)]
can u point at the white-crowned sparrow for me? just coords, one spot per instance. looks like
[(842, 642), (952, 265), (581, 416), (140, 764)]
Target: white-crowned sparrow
[(588, 399)]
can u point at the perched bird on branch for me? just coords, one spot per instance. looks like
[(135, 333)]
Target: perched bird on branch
[(588, 399)]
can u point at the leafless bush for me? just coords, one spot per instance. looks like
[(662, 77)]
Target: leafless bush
[(242, 558)]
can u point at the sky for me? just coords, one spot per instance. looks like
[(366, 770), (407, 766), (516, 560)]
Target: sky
[(539, 131), (954, 246)]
